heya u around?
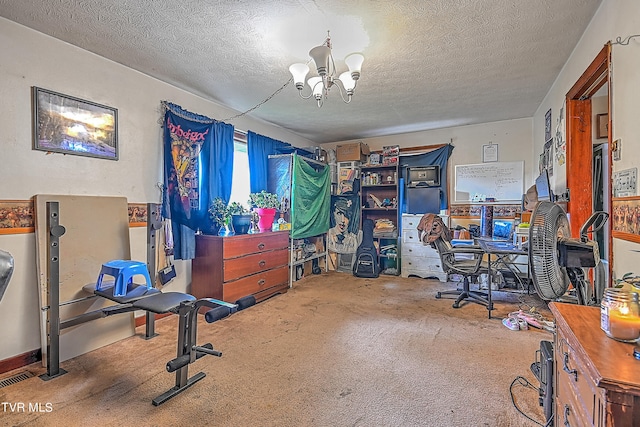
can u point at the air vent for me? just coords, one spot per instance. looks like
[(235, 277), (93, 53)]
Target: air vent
[(15, 379)]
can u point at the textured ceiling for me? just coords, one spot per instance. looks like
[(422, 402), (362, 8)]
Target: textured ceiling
[(428, 63)]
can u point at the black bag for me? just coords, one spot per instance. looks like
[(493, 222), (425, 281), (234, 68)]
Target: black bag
[(367, 262)]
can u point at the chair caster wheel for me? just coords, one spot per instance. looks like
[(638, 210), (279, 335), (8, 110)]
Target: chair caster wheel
[(438, 295), (456, 305)]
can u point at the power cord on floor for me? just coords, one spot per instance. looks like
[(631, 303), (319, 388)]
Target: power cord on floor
[(525, 383)]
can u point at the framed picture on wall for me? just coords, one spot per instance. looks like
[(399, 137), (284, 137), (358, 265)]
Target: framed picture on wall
[(602, 126), (69, 125), (547, 126)]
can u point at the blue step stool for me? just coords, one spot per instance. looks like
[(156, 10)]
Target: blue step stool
[(123, 271)]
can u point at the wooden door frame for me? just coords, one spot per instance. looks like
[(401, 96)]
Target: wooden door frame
[(580, 143)]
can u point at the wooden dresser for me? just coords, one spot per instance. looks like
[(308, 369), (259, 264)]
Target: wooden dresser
[(597, 379), (232, 267), (418, 259)]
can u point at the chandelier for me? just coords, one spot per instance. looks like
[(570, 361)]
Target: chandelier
[(326, 78)]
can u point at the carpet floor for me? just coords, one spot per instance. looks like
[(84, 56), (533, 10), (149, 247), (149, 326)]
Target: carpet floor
[(335, 350)]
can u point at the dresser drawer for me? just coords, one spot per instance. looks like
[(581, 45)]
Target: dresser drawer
[(568, 411), (572, 372), (410, 222), (237, 246), (237, 267), (419, 250), (259, 282), (420, 265)]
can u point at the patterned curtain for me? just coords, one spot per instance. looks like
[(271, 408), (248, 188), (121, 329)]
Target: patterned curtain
[(198, 158)]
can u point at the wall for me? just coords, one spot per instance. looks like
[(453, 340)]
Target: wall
[(33, 59), (513, 137), (614, 18)]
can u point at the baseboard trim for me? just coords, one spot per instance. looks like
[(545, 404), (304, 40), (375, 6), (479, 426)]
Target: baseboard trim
[(20, 361), (142, 320)]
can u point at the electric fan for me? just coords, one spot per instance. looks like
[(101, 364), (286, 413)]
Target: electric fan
[(557, 260)]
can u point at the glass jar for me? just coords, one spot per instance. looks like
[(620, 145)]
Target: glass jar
[(620, 315)]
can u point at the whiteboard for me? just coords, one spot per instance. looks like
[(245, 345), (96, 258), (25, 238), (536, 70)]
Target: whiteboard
[(504, 181)]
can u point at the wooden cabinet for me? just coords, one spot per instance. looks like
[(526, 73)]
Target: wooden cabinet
[(597, 379), (416, 258), (229, 268)]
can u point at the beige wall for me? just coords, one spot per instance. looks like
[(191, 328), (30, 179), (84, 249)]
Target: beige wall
[(30, 59), (513, 137), (614, 18)]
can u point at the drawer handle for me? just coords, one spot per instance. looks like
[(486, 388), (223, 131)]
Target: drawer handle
[(262, 263), (565, 367), (566, 416), (261, 246), (261, 282)]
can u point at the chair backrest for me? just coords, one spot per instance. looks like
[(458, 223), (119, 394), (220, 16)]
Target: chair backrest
[(6, 270), (446, 256)]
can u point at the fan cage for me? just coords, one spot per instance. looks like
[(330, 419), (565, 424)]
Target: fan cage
[(548, 223)]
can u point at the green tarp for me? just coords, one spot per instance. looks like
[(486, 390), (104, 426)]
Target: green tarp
[(310, 199)]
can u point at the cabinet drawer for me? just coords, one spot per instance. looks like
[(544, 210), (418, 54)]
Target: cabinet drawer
[(238, 267), (410, 236), (237, 246), (421, 265), (419, 250), (568, 411), (255, 283), (410, 222), (572, 373)]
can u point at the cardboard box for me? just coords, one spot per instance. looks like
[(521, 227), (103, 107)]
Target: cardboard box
[(354, 152)]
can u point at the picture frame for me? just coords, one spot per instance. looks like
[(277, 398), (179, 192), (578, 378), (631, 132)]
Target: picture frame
[(602, 126), (547, 126), (16, 217), (625, 218), (489, 153), (137, 214), (69, 125)]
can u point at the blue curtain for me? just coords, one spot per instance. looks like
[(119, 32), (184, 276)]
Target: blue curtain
[(198, 158), (259, 148), (440, 157)]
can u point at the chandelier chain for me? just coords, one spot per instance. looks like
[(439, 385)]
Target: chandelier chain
[(267, 99)]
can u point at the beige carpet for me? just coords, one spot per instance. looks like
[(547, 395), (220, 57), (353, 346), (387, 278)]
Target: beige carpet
[(334, 351)]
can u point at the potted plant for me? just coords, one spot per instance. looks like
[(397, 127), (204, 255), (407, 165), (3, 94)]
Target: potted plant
[(265, 204), (221, 215), (240, 217)]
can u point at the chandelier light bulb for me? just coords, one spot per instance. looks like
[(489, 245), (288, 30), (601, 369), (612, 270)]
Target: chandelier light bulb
[(321, 55), (354, 62), (348, 82), (299, 73)]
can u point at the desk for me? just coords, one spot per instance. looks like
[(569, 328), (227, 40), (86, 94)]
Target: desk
[(503, 253)]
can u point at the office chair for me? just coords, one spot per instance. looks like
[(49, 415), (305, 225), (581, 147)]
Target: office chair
[(466, 260)]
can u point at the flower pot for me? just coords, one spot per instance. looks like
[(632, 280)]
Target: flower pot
[(266, 217), (241, 223)]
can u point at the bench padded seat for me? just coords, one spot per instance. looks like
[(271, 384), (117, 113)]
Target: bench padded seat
[(164, 302)]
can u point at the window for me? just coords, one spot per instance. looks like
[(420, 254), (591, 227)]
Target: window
[(240, 188)]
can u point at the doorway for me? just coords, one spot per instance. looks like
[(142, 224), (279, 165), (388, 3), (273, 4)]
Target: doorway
[(581, 160)]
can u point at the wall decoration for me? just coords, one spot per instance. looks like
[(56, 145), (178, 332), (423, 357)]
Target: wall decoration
[(560, 146), (547, 126), (137, 214), (546, 158), (625, 218), (490, 152), (602, 126), (16, 217), (69, 125)]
